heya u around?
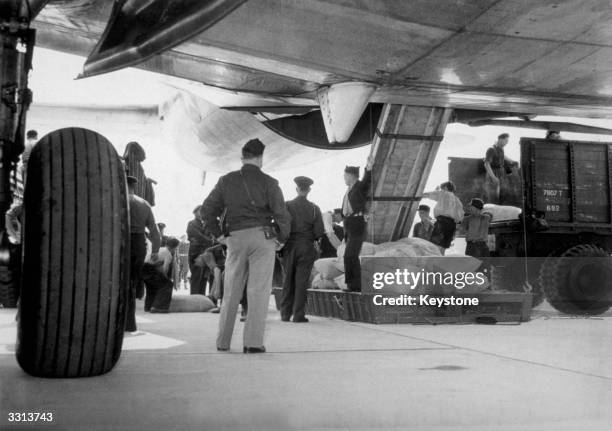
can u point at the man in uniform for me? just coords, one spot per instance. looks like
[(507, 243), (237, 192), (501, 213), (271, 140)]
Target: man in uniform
[(141, 217), (299, 252), (251, 201), (353, 211), (199, 241)]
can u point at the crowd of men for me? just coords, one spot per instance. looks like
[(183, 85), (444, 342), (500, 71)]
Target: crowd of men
[(245, 224)]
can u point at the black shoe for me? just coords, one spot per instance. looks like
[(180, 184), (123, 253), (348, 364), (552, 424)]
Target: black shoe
[(223, 349), (285, 318), (301, 320), (261, 349), (157, 310), (243, 318)]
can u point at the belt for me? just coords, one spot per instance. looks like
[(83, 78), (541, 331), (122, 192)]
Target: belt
[(357, 214), (477, 242)]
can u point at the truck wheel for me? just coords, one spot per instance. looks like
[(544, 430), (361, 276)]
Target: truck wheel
[(578, 286), (76, 257)]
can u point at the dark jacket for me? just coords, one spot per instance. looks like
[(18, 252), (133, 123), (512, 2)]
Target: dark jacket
[(306, 220), (231, 196), (199, 237), (358, 194)]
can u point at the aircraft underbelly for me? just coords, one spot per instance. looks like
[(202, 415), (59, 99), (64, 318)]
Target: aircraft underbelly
[(518, 56)]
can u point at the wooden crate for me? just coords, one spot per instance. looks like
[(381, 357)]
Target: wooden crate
[(493, 307), (361, 308)]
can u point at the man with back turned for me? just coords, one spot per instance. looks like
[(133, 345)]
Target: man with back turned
[(251, 203), (299, 253), (141, 218)]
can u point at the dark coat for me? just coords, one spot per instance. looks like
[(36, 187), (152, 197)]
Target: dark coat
[(358, 194)]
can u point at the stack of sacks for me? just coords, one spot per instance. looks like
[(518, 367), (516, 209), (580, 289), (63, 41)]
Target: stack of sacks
[(332, 268), (329, 273), (502, 212), (190, 304), (406, 247)]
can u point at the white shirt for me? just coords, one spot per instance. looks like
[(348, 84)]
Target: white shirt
[(447, 204), (165, 256)]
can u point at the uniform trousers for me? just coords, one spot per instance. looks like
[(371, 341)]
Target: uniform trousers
[(199, 274), (138, 252), (354, 233), (250, 262), (298, 259)]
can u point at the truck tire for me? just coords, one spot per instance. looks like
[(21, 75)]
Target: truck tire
[(75, 257), (578, 286)]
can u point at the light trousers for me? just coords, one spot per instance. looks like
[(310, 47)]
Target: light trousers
[(249, 262)]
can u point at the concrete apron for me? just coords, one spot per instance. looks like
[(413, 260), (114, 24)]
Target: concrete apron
[(553, 373)]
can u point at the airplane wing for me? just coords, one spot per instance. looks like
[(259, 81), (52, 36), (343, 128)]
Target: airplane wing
[(516, 56)]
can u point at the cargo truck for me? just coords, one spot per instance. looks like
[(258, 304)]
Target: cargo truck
[(560, 245)]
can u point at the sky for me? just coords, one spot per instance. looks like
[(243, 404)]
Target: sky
[(183, 185)]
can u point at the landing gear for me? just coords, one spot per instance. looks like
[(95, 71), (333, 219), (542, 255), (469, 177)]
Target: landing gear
[(16, 46)]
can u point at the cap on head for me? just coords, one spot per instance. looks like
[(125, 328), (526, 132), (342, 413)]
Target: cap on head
[(503, 136), (161, 225), (32, 134), (552, 134), (131, 180), (303, 182), (353, 170), (448, 185), (172, 242), (477, 203), (424, 208), (253, 148)]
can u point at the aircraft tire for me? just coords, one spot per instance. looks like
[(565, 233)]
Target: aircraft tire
[(568, 282), (76, 257)]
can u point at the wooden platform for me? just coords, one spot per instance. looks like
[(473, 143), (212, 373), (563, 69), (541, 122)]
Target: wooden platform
[(494, 307)]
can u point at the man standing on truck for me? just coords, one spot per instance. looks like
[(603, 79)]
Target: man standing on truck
[(498, 166)]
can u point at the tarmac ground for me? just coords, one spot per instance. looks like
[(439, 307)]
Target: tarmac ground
[(551, 373)]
